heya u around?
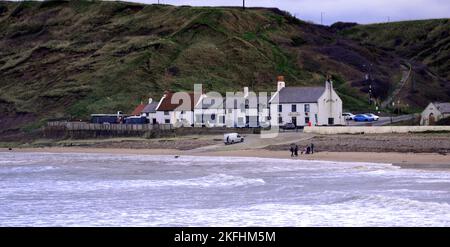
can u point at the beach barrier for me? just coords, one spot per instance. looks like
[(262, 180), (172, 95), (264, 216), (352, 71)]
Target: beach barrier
[(330, 130), (82, 130)]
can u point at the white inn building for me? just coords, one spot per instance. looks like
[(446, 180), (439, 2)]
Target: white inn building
[(304, 106)]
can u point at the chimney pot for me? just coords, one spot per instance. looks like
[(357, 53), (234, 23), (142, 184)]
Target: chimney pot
[(280, 83)]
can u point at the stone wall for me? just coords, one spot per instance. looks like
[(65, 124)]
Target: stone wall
[(372, 129)]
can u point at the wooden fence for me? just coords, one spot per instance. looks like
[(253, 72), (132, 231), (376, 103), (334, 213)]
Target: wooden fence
[(74, 126)]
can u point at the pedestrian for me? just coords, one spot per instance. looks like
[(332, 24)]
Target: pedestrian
[(292, 151), (312, 148), (296, 150)]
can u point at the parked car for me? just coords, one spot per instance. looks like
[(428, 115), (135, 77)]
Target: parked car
[(348, 115), (288, 126), (375, 117), (231, 138), (363, 118)]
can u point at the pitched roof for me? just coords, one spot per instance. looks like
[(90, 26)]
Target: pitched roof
[(443, 107), (138, 109), (150, 108), (167, 105), (300, 94), (211, 103)]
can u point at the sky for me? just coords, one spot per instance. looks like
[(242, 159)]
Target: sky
[(360, 11)]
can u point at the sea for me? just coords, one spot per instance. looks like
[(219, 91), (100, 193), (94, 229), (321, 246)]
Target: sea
[(80, 189)]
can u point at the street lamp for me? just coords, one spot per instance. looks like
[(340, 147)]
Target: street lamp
[(393, 105)]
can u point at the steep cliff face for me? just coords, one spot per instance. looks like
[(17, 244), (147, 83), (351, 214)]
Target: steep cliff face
[(67, 59)]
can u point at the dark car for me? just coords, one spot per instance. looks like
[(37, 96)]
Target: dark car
[(289, 126)]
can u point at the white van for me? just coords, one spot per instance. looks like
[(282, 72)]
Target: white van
[(231, 138)]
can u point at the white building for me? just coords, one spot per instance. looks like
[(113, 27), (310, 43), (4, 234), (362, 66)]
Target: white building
[(209, 111), (149, 111), (434, 112), (177, 109), (306, 105)]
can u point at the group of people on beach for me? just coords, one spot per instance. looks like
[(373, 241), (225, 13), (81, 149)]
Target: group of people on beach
[(309, 149)]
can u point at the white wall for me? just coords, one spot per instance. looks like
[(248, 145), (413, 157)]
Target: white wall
[(219, 113), (149, 116), (424, 116), (330, 106), (330, 130), (300, 114), (175, 117)]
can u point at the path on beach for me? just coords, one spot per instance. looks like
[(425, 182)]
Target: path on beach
[(254, 141)]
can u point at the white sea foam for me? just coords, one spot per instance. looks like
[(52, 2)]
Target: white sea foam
[(25, 169), (142, 190)]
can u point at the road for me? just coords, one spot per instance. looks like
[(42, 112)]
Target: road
[(406, 74), (382, 121)]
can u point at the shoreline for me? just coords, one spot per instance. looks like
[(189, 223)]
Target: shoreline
[(428, 161)]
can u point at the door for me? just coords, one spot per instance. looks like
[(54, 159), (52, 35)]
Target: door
[(294, 120), (431, 119)]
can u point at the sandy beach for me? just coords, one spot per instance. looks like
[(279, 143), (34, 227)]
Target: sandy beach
[(404, 160), (424, 151)]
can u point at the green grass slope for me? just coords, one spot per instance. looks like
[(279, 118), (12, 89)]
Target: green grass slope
[(427, 41), (68, 59)]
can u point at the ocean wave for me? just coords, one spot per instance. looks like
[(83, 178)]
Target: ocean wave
[(210, 181), (25, 169)]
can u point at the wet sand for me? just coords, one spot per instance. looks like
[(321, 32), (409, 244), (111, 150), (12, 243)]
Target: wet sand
[(403, 160)]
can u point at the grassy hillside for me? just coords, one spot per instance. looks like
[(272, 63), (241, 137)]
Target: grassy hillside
[(427, 41), (67, 59)]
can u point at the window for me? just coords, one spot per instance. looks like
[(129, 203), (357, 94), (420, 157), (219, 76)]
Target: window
[(330, 121), (306, 107), (280, 108), (167, 121), (166, 113), (306, 120), (293, 108)]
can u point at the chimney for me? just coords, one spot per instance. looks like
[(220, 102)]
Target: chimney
[(150, 100), (281, 84), (245, 91), (328, 83)]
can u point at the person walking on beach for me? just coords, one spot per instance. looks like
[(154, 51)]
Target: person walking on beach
[(312, 148), (296, 150)]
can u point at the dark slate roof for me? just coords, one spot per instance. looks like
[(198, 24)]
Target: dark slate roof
[(443, 107), (300, 94), (150, 108), (207, 103)]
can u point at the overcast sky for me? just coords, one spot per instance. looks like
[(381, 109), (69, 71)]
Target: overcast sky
[(361, 11)]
